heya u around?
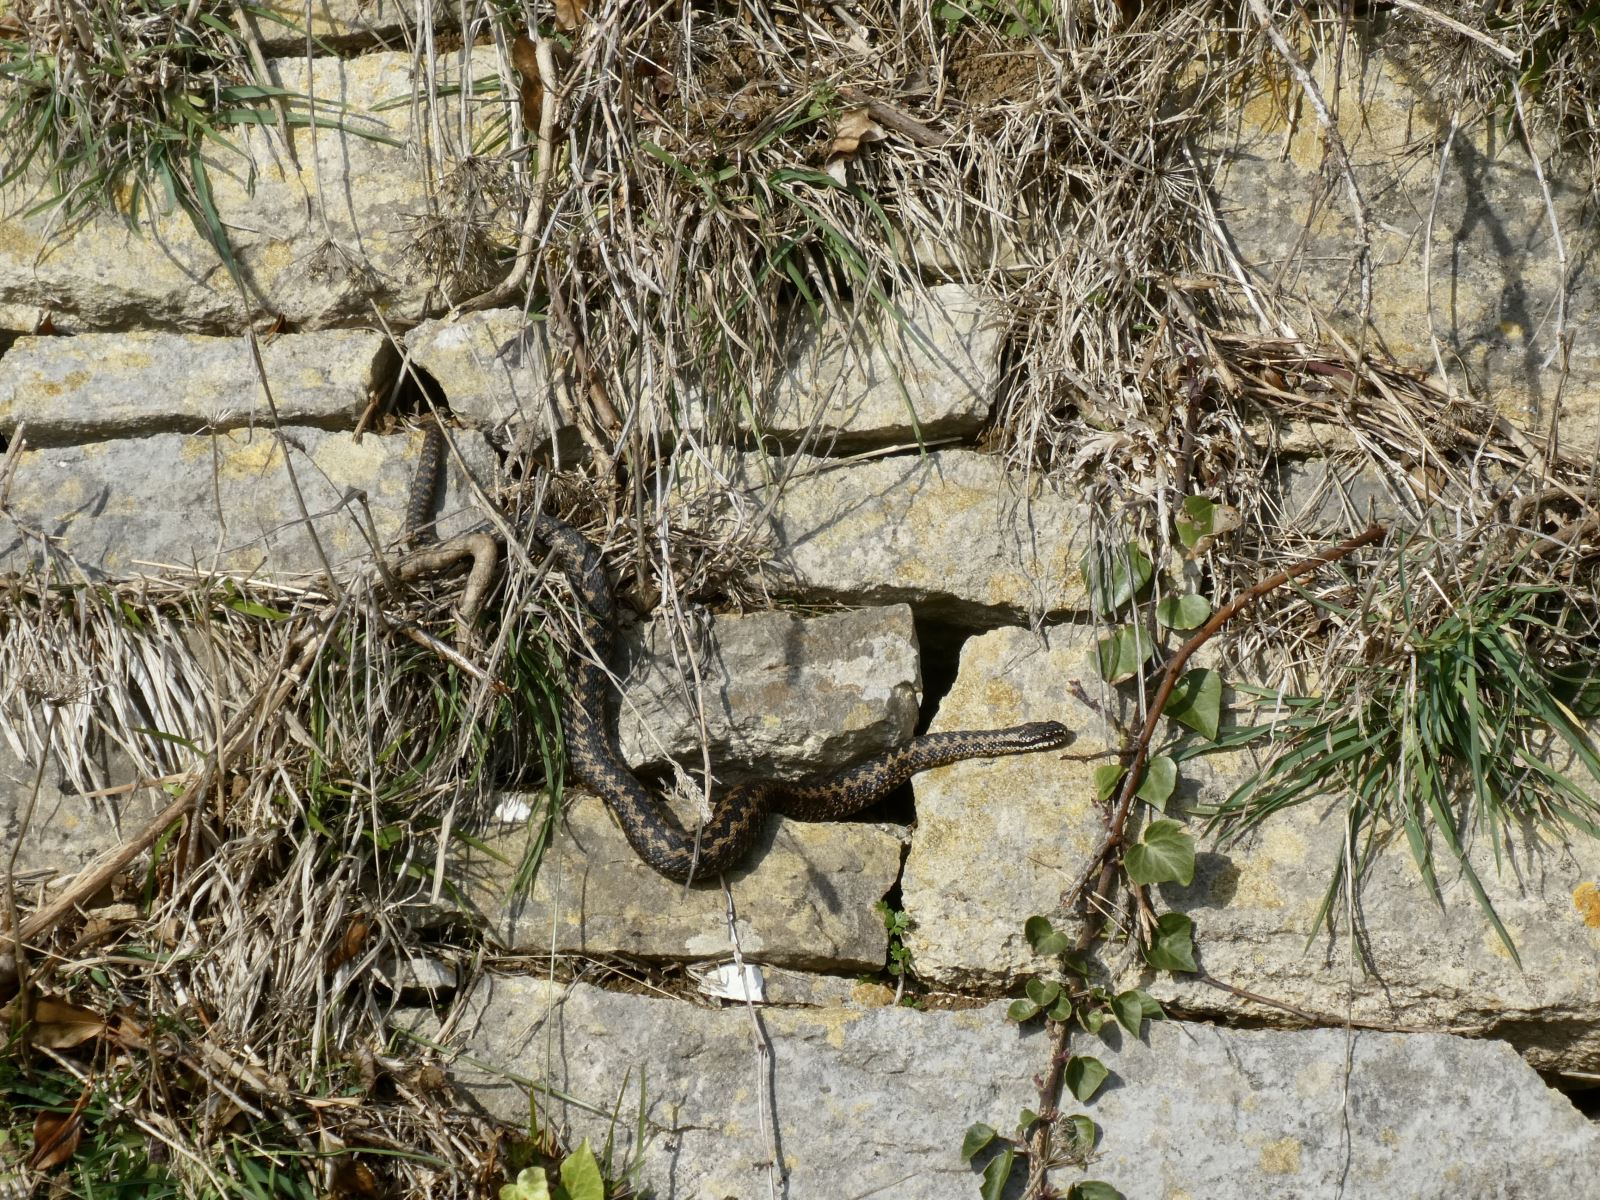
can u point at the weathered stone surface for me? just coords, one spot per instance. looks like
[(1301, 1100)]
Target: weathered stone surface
[(222, 502), (948, 532), (1494, 269), (875, 1102), (998, 841), (1332, 497), (1414, 961), (930, 371), (804, 898), (336, 24), (320, 243), (988, 854), (796, 694), (97, 386), (493, 367), (57, 831)]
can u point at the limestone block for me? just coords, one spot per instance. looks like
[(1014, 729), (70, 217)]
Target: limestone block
[(950, 532), (222, 502), (929, 369), (325, 237), (97, 386), (875, 1101)]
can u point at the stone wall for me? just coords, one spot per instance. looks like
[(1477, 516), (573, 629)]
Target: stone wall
[(150, 442)]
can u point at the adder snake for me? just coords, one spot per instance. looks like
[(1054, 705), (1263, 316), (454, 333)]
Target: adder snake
[(737, 813)]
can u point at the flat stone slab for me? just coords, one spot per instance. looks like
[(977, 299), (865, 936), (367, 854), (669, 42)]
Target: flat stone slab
[(794, 694), (927, 369), (874, 1102), (326, 237), (990, 852), (222, 502), (998, 841), (1495, 273), (97, 386), (493, 367), (804, 898), (946, 531), (1414, 961)]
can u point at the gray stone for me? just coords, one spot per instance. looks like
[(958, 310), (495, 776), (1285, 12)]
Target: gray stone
[(328, 237), (928, 370), (949, 532), (1413, 961), (1495, 274), (337, 24), (1333, 497), (804, 898), (989, 853), (493, 367), (796, 694), (97, 386), (875, 1102), (56, 830), (998, 841), (222, 502)]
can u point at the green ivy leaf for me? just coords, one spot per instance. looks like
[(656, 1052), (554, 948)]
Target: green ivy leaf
[(1122, 653), (1164, 855), (530, 1185), (1061, 1011), (1196, 701), (1025, 1120), (997, 1173), (1093, 1189), (1081, 1134), (1172, 947), (1084, 1075), (1150, 1006), (1022, 1010), (1092, 1019), (1129, 1011), (580, 1175), (1042, 992), (1106, 778), (1077, 960), (1188, 611), (978, 1136), (1117, 577), (1043, 937), (1160, 779)]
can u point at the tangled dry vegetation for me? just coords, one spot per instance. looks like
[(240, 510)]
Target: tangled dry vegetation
[(699, 180)]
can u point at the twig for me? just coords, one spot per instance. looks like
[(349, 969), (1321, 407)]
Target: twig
[(1105, 859)]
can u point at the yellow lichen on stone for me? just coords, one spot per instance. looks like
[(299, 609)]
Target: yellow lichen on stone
[(1281, 1157), (1586, 899)]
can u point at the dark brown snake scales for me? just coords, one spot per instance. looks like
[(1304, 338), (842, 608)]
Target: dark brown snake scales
[(737, 813)]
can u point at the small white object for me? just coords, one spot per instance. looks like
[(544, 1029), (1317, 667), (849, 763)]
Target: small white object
[(727, 981)]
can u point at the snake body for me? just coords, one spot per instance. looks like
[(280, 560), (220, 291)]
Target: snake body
[(738, 812)]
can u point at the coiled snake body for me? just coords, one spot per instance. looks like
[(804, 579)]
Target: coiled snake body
[(737, 813)]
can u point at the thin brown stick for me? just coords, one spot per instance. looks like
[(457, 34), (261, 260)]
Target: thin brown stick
[(1105, 859), (1102, 859)]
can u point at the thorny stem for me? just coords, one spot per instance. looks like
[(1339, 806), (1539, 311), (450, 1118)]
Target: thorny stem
[(1106, 858)]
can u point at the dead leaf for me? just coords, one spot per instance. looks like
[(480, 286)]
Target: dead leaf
[(352, 943), (58, 1025), (525, 58), (56, 1135), (570, 14), (351, 1178), (855, 126)]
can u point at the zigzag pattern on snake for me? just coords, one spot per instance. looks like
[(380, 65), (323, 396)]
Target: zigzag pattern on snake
[(737, 813)]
